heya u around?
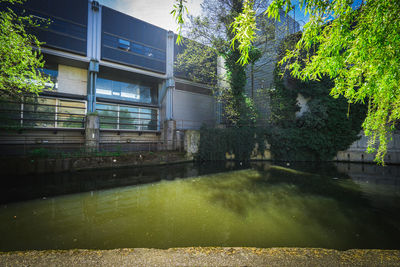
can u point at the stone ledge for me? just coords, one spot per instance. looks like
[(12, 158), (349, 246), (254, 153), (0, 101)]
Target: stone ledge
[(203, 256)]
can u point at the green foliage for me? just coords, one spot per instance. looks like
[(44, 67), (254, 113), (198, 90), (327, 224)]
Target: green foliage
[(39, 153), (197, 62), (244, 29), (359, 50), (215, 30), (179, 13), (19, 56), (328, 126), (240, 141)]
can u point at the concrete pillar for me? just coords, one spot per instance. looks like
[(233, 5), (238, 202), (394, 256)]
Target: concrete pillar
[(92, 77), (92, 133), (94, 30), (169, 100), (170, 82), (169, 134), (93, 51), (191, 143), (170, 55)]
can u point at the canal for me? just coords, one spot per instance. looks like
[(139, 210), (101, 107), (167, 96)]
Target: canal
[(262, 204)]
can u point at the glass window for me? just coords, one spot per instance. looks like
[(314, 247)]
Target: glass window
[(148, 119), (103, 87), (124, 44), (127, 117), (122, 90), (10, 113), (147, 51), (51, 71), (108, 115), (39, 112), (43, 112), (71, 114)]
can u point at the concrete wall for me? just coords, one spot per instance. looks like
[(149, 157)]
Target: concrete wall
[(357, 151), (14, 143), (302, 103), (191, 143), (192, 109), (72, 80), (129, 141)]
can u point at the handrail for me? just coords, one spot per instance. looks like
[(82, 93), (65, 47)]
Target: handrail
[(44, 112), (118, 123), (122, 111), (127, 118), (48, 105)]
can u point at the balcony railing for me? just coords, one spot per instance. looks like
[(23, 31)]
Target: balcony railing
[(42, 112)]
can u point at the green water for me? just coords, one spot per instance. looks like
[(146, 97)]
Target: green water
[(263, 206)]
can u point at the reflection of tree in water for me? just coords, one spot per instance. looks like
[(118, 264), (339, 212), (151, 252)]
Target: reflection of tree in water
[(31, 187), (294, 197)]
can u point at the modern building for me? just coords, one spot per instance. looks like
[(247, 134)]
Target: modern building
[(109, 64), (260, 75)]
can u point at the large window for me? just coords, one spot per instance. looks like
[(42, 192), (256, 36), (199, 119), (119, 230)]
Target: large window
[(51, 71), (124, 91), (43, 112), (123, 117)]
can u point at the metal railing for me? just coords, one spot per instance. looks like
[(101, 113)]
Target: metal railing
[(120, 119), (35, 115)]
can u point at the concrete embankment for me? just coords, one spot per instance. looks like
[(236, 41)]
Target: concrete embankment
[(32, 165), (198, 256)]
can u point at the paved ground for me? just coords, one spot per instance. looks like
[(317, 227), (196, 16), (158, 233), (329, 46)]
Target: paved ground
[(203, 257)]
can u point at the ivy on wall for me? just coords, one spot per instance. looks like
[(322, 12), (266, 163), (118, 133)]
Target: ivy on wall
[(327, 126), (239, 141)]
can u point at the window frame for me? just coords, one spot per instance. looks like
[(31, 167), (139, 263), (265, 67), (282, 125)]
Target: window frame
[(140, 126)]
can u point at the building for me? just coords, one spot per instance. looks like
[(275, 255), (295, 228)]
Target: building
[(105, 65), (260, 75)]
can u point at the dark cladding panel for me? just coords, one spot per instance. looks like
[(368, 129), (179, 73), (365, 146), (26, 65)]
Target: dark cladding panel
[(130, 41), (120, 56), (122, 25), (72, 10), (68, 27)]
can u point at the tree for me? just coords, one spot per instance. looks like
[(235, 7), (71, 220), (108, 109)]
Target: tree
[(355, 46), (323, 128), (20, 56), (214, 30)]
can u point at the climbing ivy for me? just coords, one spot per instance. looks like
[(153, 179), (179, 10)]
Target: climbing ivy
[(239, 141), (328, 125)]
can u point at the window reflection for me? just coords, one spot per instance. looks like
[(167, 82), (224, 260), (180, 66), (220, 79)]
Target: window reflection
[(127, 117), (122, 90), (50, 71), (43, 112)]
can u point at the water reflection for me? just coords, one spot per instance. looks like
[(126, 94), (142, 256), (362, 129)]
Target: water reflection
[(263, 206)]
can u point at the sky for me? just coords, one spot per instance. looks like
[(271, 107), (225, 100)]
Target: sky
[(156, 12)]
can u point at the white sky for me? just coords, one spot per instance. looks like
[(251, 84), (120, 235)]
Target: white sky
[(156, 12)]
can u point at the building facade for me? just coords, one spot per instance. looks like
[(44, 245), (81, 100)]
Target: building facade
[(260, 74), (109, 66)]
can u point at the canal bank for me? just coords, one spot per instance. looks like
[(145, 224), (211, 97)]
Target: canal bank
[(204, 256), (55, 164)]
